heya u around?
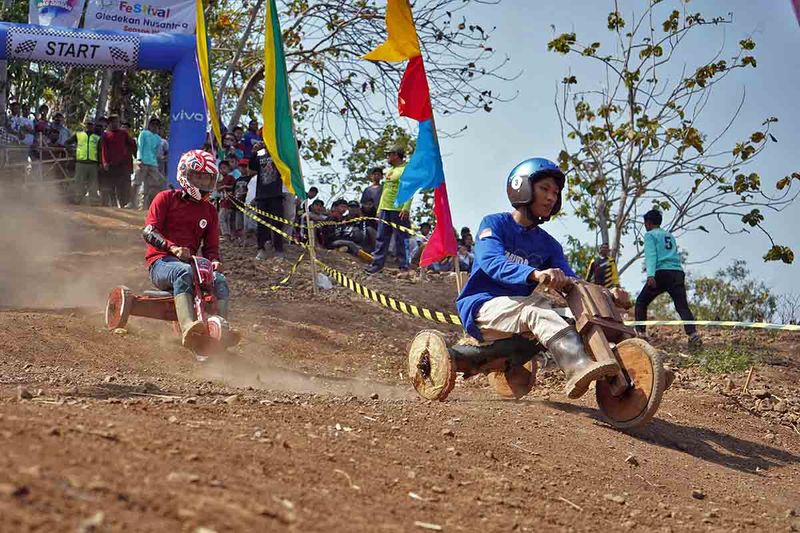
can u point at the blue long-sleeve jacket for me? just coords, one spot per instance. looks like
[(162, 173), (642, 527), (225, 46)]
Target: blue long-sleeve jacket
[(505, 256)]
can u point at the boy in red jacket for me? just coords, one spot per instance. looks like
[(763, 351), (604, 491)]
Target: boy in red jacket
[(178, 224)]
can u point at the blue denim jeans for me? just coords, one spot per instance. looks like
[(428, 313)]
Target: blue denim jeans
[(385, 233), (171, 274)]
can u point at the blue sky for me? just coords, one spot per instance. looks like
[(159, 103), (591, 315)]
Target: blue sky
[(477, 162)]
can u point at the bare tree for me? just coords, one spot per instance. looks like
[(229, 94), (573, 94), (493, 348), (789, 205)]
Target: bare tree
[(636, 142), (789, 308)]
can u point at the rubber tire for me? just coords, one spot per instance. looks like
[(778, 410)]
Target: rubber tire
[(515, 382), (124, 296), (442, 376), (657, 391)]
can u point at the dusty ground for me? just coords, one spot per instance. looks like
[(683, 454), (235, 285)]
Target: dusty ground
[(310, 426)]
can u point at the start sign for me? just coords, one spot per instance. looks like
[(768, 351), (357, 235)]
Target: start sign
[(64, 47)]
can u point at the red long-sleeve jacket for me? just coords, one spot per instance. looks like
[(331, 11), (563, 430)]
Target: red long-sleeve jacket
[(183, 222), (117, 148)]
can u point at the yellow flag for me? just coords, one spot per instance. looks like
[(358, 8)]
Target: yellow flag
[(402, 43), (205, 75)]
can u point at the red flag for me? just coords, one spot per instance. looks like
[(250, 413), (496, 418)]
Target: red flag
[(442, 243), (414, 100)]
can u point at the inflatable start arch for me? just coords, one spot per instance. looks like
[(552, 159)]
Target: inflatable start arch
[(122, 51)]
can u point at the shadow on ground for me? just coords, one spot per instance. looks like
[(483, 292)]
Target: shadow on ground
[(703, 443)]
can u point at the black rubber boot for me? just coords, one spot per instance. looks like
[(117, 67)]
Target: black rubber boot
[(519, 350)]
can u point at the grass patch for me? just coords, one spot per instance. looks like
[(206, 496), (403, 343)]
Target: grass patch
[(723, 360)]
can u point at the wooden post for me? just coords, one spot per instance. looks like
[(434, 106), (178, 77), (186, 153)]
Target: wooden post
[(312, 251), (746, 388), (457, 268)]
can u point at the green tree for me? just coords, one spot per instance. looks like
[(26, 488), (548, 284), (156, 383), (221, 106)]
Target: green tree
[(579, 255), (732, 294), (636, 141)]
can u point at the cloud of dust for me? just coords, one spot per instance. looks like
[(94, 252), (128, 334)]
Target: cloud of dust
[(239, 371), (52, 256)]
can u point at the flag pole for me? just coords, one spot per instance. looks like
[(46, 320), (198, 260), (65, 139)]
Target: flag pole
[(456, 262), (312, 248)]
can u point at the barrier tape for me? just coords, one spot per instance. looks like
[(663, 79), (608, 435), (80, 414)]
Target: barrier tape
[(263, 213), (388, 301), (276, 218), (449, 318), (260, 220), (285, 280), (721, 323), (376, 296)]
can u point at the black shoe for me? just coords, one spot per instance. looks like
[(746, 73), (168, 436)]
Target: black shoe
[(695, 343), (373, 269)]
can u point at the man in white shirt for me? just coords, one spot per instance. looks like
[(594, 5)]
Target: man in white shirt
[(20, 124)]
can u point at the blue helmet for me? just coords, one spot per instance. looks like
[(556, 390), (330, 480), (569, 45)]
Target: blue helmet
[(519, 184)]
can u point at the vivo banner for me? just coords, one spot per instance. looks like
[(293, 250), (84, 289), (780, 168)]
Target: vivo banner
[(61, 13), (152, 16)]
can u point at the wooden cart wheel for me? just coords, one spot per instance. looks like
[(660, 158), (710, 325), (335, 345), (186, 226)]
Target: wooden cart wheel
[(430, 367), (636, 406), (515, 382), (118, 307)]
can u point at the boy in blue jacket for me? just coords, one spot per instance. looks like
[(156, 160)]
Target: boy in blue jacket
[(664, 274), (513, 254)]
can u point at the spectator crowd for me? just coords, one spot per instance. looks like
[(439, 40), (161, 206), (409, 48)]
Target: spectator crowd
[(111, 166)]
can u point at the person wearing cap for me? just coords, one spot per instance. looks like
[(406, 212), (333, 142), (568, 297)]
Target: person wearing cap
[(240, 167), (664, 274), (116, 154), (387, 212), (87, 160)]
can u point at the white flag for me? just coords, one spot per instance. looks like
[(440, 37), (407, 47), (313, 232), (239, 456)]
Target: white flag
[(59, 13)]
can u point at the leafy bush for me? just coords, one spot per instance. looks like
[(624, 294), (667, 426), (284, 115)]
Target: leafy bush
[(723, 360)]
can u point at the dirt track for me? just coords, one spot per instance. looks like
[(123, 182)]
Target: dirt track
[(285, 435)]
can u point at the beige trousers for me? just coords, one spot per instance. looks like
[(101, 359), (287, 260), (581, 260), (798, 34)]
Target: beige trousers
[(530, 316)]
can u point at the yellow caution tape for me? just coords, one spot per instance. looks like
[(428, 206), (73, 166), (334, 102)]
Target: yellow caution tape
[(276, 218), (285, 280), (366, 292), (388, 301), (450, 318), (243, 208), (263, 213), (721, 323), (404, 229)]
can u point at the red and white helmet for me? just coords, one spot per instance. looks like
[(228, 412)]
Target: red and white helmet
[(201, 162)]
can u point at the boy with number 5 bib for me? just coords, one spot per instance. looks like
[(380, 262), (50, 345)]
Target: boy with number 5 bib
[(664, 274)]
